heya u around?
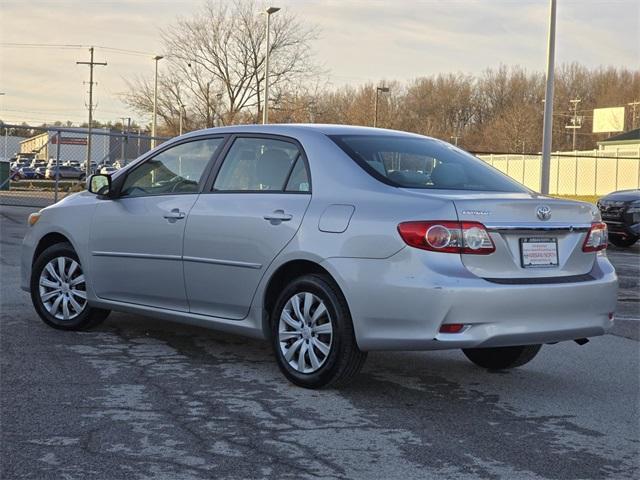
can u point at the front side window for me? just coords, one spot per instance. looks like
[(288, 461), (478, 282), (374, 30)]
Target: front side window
[(262, 165), (176, 170), (423, 163)]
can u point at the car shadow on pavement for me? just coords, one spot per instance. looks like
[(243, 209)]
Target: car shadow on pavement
[(417, 411)]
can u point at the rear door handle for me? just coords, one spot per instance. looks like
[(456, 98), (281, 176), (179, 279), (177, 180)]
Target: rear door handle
[(174, 215), (278, 216)]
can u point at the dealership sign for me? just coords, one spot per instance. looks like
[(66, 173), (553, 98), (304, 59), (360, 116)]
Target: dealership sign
[(69, 140), (608, 120)]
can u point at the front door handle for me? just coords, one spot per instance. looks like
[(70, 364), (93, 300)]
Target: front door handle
[(278, 216), (174, 215)]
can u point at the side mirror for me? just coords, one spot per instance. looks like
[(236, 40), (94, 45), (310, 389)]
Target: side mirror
[(99, 184)]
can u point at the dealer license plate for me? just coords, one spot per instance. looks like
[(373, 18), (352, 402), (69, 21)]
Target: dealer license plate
[(538, 252)]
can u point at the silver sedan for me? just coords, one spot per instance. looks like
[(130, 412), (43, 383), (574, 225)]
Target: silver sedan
[(329, 241)]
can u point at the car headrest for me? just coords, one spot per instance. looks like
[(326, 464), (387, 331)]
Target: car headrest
[(449, 175), (272, 168)]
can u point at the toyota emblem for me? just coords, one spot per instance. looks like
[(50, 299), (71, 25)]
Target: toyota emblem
[(543, 212)]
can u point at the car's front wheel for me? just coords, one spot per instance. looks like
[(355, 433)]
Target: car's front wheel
[(620, 241), (58, 290), (501, 358), (312, 334)]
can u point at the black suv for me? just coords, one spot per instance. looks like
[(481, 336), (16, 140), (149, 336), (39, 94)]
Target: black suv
[(621, 212)]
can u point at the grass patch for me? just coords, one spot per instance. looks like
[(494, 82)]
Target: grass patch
[(47, 186), (582, 198)]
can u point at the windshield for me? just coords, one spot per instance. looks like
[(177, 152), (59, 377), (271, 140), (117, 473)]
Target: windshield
[(423, 163)]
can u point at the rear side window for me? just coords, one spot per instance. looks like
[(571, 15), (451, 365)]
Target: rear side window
[(262, 165), (423, 163), (299, 179)]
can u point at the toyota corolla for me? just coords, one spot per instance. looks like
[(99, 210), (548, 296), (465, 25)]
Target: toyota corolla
[(329, 241)]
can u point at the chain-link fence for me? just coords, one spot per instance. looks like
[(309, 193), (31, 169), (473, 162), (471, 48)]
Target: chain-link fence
[(42, 165), (582, 174)]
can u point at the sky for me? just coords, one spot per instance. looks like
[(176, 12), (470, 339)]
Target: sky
[(360, 41)]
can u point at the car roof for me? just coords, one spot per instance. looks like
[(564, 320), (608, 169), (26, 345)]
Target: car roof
[(297, 128)]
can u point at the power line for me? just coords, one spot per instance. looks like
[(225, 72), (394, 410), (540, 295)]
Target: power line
[(40, 45), (74, 46)]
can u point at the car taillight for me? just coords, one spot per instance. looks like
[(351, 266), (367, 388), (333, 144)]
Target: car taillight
[(448, 237), (596, 238)]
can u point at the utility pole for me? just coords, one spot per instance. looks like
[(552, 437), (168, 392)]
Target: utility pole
[(547, 125), (125, 139), (375, 114), (634, 106), (575, 123), (91, 64)]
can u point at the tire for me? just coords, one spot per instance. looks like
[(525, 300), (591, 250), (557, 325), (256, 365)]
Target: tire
[(337, 356), (502, 358), (620, 241), (48, 286)]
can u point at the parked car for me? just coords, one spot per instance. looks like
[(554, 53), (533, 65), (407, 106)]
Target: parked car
[(38, 163), (26, 173), (25, 157), (329, 242), (108, 170), (72, 163), (65, 172), (41, 172), (92, 166), (18, 164), (621, 212)]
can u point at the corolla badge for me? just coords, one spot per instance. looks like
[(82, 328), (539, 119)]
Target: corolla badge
[(476, 212), (543, 212)]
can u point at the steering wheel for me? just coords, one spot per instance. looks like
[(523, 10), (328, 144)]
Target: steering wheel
[(183, 182)]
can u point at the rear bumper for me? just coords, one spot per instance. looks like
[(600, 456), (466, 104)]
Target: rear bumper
[(400, 303)]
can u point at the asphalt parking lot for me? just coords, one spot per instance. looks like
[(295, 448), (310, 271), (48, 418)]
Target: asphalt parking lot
[(140, 398)]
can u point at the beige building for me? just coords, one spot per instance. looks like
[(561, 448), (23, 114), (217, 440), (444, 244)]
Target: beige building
[(625, 144)]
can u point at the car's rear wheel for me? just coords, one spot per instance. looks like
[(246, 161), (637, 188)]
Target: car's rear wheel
[(501, 358), (620, 241), (312, 334), (58, 290)]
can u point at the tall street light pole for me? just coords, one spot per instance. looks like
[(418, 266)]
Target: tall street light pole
[(6, 135), (375, 116), (157, 58), (125, 140), (182, 107), (547, 126), (265, 110)]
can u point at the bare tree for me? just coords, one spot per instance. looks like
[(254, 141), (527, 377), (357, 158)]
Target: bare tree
[(216, 64)]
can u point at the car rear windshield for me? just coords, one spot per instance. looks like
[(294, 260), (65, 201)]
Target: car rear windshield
[(423, 163)]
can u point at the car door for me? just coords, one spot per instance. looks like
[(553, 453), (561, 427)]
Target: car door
[(136, 239), (235, 230)]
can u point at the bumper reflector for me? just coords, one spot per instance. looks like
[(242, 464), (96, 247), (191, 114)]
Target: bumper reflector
[(451, 327)]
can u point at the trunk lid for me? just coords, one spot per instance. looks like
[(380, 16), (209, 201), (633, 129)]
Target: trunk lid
[(516, 226)]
